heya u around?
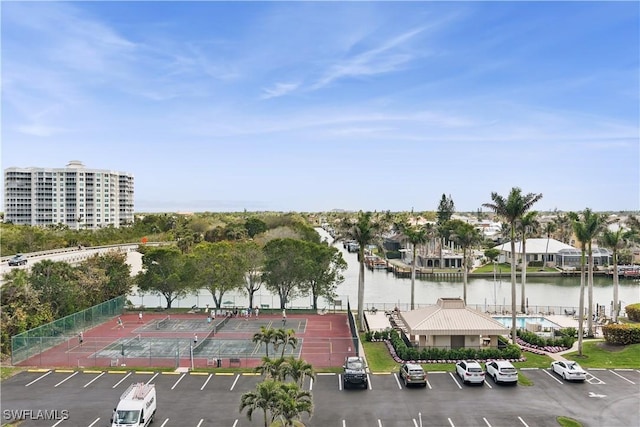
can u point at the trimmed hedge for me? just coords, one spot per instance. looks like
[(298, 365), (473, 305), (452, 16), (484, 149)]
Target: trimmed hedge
[(566, 339), (621, 334), (633, 312), (401, 351)]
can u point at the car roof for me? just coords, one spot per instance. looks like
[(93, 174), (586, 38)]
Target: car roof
[(503, 363), (354, 359)]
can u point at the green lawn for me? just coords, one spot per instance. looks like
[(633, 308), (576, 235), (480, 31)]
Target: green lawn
[(506, 269), (595, 355), (6, 372)]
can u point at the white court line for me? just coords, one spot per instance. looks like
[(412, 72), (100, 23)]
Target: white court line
[(486, 422), (165, 422), (69, 377), (455, 381), (626, 379), (94, 423), (87, 384), (523, 423), (451, 422), (125, 377), (552, 375), (38, 379), (153, 377), (179, 379), (234, 382), (205, 383)]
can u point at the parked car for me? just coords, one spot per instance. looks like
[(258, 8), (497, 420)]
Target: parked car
[(569, 370), (502, 371), (355, 372), (470, 371), (18, 259), (413, 374)]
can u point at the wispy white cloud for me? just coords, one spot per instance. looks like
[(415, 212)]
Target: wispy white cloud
[(279, 89)]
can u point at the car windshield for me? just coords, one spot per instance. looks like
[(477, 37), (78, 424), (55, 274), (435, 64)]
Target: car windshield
[(475, 370), (416, 372), (354, 364), (127, 417), (573, 366), (508, 370)]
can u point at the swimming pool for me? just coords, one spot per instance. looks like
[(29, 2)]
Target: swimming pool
[(521, 320)]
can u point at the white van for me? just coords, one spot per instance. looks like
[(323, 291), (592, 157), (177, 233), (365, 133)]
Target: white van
[(137, 406)]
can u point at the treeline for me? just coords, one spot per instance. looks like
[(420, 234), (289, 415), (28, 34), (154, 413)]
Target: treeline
[(52, 290)]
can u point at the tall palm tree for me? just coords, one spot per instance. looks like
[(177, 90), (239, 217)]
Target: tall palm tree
[(271, 368), (291, 403), (549, 229), (364, 230), (582, 235), (512, 209), (594, 223), (614, 240), (528, 225), (297, 370), (266, 336), (416, 235), (465, 235), (284, 338), (264, 397)]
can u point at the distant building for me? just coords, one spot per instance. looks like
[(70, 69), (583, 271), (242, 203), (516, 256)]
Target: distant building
[(73, 196), (553, 252)]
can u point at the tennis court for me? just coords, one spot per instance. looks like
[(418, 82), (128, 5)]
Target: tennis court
[(194, 340)]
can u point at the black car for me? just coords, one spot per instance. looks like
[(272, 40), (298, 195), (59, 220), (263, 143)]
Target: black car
[(18, 259), (355, 372)]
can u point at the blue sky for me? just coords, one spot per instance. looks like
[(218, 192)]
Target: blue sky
[(313, 106)]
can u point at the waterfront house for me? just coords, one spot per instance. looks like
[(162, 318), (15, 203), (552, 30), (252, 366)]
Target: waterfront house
[(553, 252)]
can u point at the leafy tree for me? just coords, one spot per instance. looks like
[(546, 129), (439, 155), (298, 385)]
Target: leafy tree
[(165, 272), (492, 254), (57, 283), (446, 209), (271, 368), (285, 338), (218, 267), (291, 403), (528, 224), (117, 274), (283, 268), (512, 209), (614, 240), (465, 235), (416, 235), (323, 267), (264, 398), (297, 370), (255, 226), (252, 259), (365, 229)]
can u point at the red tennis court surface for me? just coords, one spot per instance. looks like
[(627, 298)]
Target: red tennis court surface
[(324, 341)]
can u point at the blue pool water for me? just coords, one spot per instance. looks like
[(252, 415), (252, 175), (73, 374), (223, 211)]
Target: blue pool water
[(521, 320)]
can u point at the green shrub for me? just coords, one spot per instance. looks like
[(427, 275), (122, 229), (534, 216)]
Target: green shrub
[(633, 312), (621, 334)]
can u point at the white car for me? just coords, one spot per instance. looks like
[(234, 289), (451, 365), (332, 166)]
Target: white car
[(502, 371), (470, 371), (569, 370)]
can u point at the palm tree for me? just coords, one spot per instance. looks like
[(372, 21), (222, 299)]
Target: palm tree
[(416, 235), (528, 224), (365, 230), (263, 397), (284, 338), (297, 370), (614, 240), (465, 235), (549, 229), (266, 336), (582, 235), (271, 368), (291, 402), (512, 209), (594, 224)]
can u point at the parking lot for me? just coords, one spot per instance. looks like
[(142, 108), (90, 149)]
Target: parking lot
[(607, 398)]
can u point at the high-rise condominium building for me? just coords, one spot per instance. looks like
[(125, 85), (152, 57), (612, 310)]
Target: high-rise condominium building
[(74, 195)]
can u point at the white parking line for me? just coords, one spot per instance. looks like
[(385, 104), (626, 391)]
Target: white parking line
[(87, 384), (94, 423), (235, 423), (310, 384), (429, 385), (489, 385), (626, 379), (340, 384), (179, 379), (344, 423), (69, 377), (205, 383), (59, 422), (124, 378), (200, 423), (455, 381), (369, 382), (165, 422), (415, 423), (234, 382), (38, 379), (397, 381), (486, 422), (594, 379), (552, 375), (153, 377), (451, 422), (523, 423), (379, 423)]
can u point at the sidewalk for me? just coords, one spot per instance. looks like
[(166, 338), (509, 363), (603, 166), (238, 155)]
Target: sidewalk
[(574, 348)]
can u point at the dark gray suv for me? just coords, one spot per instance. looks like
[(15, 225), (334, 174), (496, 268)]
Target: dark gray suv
[(355, 372)]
